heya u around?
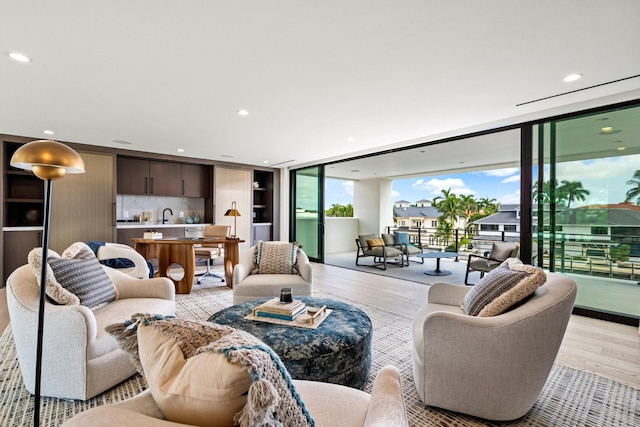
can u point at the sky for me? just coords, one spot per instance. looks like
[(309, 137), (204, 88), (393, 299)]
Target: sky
[(605, 178)]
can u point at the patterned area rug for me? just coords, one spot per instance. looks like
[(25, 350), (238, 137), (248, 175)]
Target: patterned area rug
[(570, 397)]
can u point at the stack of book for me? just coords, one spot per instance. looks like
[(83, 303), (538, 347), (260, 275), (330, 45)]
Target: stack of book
[(278, 310)]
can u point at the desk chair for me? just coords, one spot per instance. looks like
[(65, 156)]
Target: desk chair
[(211, 251)]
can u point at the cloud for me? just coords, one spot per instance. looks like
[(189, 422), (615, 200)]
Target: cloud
[(510, 199), (348, 187), (502, 172), (395, 194), (514, 178), (435, 186)]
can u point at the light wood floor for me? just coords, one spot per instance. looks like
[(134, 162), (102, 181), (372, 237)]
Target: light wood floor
[(604, 348)]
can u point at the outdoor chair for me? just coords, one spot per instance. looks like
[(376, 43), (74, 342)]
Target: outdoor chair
[(400, 240), (500, 251), (371, 246)]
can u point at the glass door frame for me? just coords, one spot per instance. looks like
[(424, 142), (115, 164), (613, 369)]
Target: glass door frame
[(315, 254)]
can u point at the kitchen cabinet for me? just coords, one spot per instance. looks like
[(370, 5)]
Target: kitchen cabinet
[(148, 177), (195, 180), (160, 178)]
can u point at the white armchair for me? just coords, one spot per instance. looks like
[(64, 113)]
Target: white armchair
[(79, 358), (489, 367), (330, 405), (248, 287), (110, 250)]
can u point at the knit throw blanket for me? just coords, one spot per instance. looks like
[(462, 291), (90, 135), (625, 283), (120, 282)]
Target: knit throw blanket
[(272, 399)]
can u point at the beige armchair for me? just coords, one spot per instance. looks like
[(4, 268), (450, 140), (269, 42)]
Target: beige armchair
[(112, 251), (248, 286), (489, 367), (330, 405), (79, 358)]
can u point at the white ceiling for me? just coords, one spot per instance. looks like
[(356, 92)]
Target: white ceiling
[(166, 74)]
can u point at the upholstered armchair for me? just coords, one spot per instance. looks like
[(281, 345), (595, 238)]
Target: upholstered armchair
[(330, 405), (491, 259), (262, 274), (110, 253), (79, 360), (489, 367)]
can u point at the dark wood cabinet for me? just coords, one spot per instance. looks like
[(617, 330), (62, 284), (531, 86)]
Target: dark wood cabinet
[(159, 178), (17, 245), (164, 179), (195, 180)]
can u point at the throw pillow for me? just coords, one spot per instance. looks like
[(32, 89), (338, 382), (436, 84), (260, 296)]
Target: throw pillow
[(202, 373), (502, 288), (375, 242), (75, 277), (401, 237), (276, 258), (53, 289)]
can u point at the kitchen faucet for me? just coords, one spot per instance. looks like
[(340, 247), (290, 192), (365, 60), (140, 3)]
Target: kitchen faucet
[(163, 218)]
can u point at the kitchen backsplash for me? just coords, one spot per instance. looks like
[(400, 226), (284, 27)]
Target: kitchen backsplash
[(129, 207)]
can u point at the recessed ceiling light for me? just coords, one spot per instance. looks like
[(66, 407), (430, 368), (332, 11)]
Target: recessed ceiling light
[(608, 130), (572, 77), (180, 150), (621, 148), (226, 156), (243, 112), (19, 57), (350, 139), (355, 170), (47, 132), (122, 141), (265, 161)]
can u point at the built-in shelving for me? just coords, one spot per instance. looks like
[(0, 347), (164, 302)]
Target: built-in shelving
[(262, 205), (23, 193)]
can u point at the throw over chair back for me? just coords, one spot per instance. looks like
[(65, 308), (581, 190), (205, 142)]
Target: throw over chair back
[(500, 251)]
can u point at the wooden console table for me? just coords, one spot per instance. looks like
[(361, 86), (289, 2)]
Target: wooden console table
[(180, 251)]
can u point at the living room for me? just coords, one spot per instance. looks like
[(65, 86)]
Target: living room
[(284, 86)]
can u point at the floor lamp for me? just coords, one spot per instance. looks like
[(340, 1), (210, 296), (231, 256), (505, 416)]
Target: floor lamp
[(48, 160), (234, 213)]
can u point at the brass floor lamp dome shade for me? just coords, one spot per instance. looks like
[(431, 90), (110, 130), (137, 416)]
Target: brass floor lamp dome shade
[(47, 159)]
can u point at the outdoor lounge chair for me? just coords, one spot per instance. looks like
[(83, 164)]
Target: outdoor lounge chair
[(400, 240), (491, 259), (382, 254)]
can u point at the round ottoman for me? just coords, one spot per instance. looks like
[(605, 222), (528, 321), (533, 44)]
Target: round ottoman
[(338, 351)]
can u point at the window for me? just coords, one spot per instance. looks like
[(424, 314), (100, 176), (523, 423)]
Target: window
[(600, 230), (489, 227), (510, 227), (434, 224)]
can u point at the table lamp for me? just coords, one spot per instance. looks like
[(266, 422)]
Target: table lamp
[(48, 160), (234, 213)]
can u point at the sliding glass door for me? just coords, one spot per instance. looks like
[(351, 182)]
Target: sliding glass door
[(307, 200), (586, 194)]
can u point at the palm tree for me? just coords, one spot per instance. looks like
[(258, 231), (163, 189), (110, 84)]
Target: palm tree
[(450, 206), (487, 205), (634, 193), (573, 191), (469, 205)]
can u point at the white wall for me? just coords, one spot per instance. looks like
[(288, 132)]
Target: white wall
[(372, 205), (340, 234)]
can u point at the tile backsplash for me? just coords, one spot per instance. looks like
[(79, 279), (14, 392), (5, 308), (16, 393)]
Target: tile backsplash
[(129, 207)]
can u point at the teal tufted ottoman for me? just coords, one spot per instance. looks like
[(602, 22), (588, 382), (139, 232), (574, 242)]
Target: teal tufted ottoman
[(338, 351)]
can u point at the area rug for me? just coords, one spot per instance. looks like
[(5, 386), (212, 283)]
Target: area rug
[(570, 397)]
